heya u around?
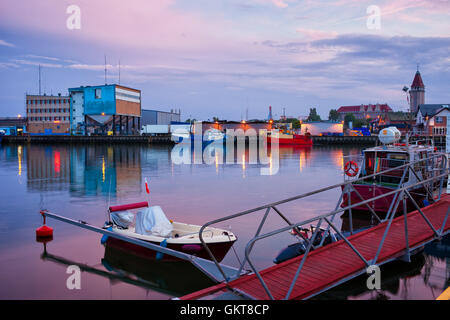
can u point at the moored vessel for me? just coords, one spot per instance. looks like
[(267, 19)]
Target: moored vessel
[(386, 168)]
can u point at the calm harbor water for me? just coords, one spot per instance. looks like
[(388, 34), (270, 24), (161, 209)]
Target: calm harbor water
[(81, 181)]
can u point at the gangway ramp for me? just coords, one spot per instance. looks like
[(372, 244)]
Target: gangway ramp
[(333, 264), (322, 267)]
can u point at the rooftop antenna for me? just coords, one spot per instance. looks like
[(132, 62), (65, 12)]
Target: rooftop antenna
[(105, 70), (119, 71), (39, 79)]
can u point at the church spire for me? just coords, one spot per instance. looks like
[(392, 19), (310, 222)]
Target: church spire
[(417, 82)]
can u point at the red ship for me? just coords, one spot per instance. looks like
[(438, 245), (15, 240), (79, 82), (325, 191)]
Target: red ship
[(389, 156), (289, 139)]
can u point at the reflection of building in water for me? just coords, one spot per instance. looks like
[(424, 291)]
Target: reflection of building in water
[(439, 251), (84, 170), (92, 170), (156, 158), (48, 168), (128, 170), (105, 170)]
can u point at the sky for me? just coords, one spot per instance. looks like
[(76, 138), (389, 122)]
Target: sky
[(228, 58)]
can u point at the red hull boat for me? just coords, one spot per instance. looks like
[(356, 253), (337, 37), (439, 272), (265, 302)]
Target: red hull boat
[(293, 140), (388, 157)]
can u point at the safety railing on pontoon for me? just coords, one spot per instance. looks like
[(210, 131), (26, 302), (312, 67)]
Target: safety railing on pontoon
[(402, 193)]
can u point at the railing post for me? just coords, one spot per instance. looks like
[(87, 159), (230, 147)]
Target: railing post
[(441, 231), (405, 215), (350, 216), (346, 240), (422, 214), (257, 234), (392, 214), (305, 255)]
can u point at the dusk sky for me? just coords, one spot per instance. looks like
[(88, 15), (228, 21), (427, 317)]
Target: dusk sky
[(218, 58)]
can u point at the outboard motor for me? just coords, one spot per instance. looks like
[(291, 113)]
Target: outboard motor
[(299, 248)]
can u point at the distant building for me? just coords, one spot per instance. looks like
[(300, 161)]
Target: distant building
[(403, 121), (159, 117), (416, 93), (106, 108), (48, 114), (431, 119), (364, 111), (224, 125), (13, 126)]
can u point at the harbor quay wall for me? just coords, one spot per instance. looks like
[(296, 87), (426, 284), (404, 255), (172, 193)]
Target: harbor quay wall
[(166, 139), (159, 139)]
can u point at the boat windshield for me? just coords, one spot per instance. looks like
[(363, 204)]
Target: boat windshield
[(375, 162)]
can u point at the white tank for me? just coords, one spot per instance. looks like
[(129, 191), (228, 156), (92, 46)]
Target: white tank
[(389, 135)]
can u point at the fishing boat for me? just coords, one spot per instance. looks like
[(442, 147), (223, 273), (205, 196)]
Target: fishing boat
[(150, 224), (289, 138), (211, 135), (390, 155)]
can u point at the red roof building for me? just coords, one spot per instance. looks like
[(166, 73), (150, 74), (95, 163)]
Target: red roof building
[(364, 111)]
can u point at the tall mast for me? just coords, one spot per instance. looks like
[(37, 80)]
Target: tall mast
[(105, 70), (39, 79)]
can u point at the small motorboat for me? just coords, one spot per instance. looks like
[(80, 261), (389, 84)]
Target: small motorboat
[(151, 225)]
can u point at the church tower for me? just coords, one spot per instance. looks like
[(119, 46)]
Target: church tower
[(417, 92)]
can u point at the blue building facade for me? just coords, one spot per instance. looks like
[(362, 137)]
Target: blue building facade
[(104, 109)]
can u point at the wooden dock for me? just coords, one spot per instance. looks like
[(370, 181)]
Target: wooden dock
[(331, 265)]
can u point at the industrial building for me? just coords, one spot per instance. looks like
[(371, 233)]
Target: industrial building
[(160, 117), (106, 109), (48, 114), (11, 126)]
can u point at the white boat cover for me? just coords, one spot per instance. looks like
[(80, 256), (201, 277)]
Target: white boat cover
[(122, 219), (153, 221)]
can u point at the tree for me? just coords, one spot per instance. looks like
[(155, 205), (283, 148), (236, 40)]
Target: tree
[(349, 117), (334, 115), (313, 116), (360, 123), (295, 123)]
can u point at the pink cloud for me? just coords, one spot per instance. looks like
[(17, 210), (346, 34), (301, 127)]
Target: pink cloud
[(139, 23), (313, 35)]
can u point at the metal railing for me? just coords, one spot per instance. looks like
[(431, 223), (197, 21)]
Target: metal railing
[(401, 194)]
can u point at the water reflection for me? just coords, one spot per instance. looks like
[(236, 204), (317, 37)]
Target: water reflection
[(94, 170), (83, 170), (75, 181), (120, 265)]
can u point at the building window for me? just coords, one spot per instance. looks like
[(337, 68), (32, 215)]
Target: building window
[(439, 119), (98, 93)]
